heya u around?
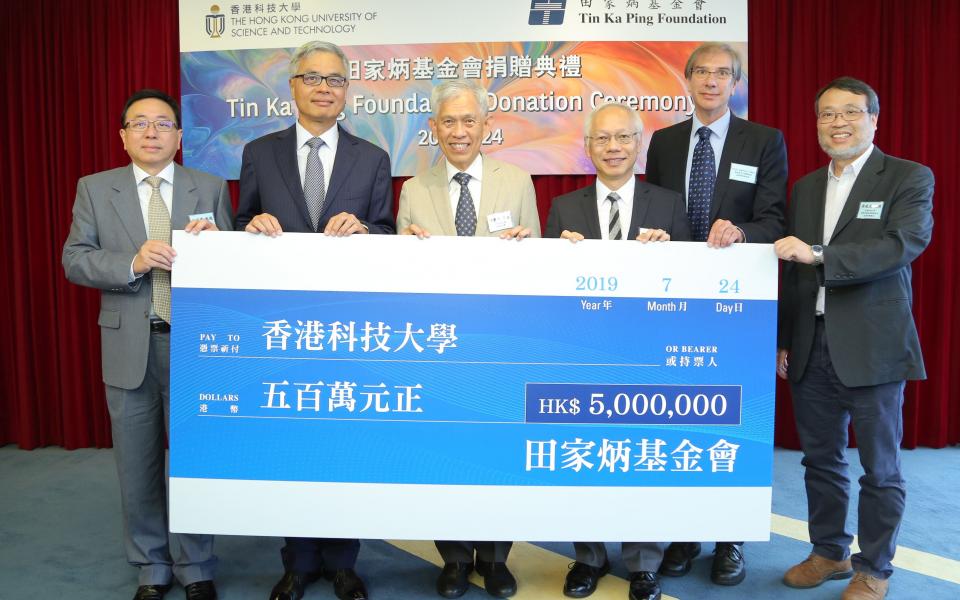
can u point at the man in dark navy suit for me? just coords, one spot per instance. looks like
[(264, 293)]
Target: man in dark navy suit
[(733, 177), (316, 177)]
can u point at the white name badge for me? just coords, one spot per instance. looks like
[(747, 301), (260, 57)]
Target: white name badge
[(744, 173), (499, 221), (207, 216), (870, 210)]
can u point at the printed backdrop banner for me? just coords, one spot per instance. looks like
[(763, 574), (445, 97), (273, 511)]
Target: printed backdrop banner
[(545, 64), (377, 379)]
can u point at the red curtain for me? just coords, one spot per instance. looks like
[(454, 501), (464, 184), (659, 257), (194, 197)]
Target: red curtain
[(69, 66)]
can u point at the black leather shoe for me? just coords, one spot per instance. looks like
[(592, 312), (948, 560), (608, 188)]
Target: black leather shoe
[(151, 592), (452, 582), (729, 567), (290, 586), (582, 579), (201, 590), (644, 585), (347, 585), (678, 558), (497, 579)]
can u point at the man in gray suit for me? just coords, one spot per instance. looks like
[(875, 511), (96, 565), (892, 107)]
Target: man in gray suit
[(119, 243), (443, 201), (847, 339)]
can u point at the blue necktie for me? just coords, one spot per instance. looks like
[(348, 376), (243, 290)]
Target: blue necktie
[(466, 218), (703, 176)]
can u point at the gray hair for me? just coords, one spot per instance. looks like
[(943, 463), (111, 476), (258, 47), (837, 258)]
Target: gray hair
[(710, 48), (454, 87), (634, 117), (318, 46)]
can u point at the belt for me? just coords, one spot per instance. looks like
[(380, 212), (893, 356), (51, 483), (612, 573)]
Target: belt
[(159, 326)]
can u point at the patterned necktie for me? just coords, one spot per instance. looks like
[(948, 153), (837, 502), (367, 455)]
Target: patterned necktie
[(615, 233), (703, 176), (159, 229), (314, 189), (466, 219)]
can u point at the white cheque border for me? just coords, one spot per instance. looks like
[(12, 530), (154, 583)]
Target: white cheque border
[(406, 511), (490, 266)]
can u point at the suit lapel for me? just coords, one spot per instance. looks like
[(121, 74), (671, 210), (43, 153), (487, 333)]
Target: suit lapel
[(489, 191), (862, 188), (185, 197), (285, 153), (439, 189), (342, 166), (681, 150), (641, 204), (731, 148), (127, 204), (815, 226), (588, 205)]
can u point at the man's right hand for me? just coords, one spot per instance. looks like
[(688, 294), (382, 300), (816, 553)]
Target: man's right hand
[(264, 223), (573, 236), (414, 229), (153, 254)]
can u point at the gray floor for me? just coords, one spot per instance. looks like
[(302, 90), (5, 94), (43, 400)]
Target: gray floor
[(60, 538)]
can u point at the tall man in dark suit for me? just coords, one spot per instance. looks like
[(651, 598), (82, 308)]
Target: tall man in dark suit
[(119, 243), (733, 174), (617, 206), (847, 339), (316, 177)]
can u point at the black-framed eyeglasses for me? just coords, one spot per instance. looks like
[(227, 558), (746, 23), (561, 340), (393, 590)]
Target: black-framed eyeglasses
[(622, 138), (314, 79), (849, 115), (163, 125)]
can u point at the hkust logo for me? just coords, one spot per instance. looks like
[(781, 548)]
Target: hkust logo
[(546, 12), (216, 22)]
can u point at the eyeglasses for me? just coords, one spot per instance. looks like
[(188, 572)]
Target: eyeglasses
[(849, 115), (719, 74), (162, 125), (314, 79), (622, 138)]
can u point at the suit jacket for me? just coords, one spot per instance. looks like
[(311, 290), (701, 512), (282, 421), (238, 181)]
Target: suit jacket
[(270, 183), (106, 233), (866, 272), (756, 208), (653, 207), (425, 199)]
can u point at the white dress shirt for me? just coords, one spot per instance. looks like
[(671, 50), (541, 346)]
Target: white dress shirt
[(144, 191)]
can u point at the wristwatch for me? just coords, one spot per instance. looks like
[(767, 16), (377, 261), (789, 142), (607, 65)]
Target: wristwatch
[(817, 250)]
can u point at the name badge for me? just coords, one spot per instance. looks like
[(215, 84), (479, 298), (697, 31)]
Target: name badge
[(744, 173), (207, 216), (499, 221), (870, 210)]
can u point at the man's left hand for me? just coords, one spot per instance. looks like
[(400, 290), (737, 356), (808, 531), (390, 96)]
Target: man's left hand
[(516, 233), (344, 224), (199, 225), (793, 249), (723, 233)]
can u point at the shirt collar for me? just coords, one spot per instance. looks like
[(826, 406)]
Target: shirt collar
[(330, 137), (475, 170), (625, 192), (853, 167), (718, 128), (166, 174)]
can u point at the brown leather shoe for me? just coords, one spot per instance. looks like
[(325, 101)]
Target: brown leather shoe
[(865, 587), (815, 570)]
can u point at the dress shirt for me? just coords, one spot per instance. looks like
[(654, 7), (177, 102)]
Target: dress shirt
[(144, 191), (626, 207), (838, 189)]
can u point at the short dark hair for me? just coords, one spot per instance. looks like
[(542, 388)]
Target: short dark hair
[(854, 86), (144, 94)]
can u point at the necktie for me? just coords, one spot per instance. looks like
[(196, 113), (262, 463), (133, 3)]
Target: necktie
[(703, 176), (314, 189), (466, 219), (615, 233), (159, 229)]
